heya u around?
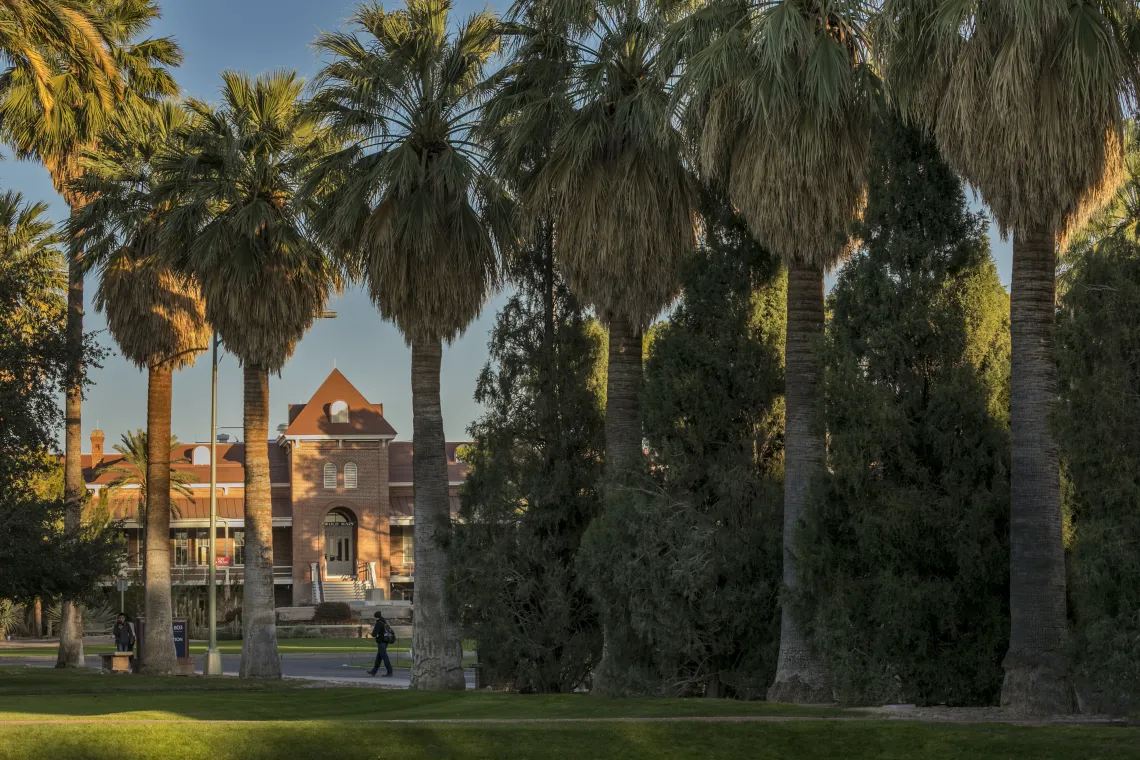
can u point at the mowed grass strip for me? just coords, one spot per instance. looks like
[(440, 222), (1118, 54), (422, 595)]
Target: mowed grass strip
[(815, 740), (49, 694), (197, 648)]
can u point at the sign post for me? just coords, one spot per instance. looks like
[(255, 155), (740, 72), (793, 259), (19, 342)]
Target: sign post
[(122, 584)]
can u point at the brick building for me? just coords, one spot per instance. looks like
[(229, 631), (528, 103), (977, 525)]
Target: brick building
[(343, 503)]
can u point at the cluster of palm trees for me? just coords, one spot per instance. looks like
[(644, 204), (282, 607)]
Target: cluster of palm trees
[(426, 151)]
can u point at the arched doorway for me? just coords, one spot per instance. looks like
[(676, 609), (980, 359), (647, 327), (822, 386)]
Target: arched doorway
[(340, 543)]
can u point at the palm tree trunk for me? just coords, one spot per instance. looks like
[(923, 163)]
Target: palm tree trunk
[(158, 655), (1036, 680), (624, 377), (74, 488), (259, 658), (437, 643), (623, 398), (800, 676)]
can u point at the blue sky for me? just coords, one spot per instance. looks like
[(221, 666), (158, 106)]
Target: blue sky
[(256, 36)]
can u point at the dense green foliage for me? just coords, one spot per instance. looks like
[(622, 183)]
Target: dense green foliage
[(535, 464), (686, 567), (904, 558), (1098, 425), (37, 556)]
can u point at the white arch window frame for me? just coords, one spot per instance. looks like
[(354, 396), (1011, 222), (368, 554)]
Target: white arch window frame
[(351, 479), (200, 456), (330, 475)]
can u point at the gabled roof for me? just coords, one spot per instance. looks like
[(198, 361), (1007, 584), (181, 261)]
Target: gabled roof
[(231, 464), (313, 420)]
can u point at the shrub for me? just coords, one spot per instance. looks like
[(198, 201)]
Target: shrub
[(332, 612)]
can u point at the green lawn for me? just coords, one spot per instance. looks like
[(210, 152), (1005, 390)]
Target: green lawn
[(95, 716)]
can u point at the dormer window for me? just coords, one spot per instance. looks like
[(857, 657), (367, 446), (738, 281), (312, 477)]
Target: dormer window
[(200, 456), (338, 412), (330, 475)]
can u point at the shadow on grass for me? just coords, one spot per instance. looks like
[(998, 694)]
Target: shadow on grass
[(735, 741)]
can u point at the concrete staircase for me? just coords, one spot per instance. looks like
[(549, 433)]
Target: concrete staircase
[(343, 591)]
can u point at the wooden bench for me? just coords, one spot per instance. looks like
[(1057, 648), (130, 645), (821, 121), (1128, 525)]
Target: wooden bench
[(117, 662)]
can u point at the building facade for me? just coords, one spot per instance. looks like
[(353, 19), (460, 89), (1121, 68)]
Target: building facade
[(343, 502)]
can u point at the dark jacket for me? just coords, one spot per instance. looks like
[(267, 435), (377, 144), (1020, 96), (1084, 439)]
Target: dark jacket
[(124, 633), (378, 630)]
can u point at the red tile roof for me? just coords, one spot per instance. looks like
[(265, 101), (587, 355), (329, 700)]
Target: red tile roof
[(231, 464), (125, 507), (400, 462), (313, 418)]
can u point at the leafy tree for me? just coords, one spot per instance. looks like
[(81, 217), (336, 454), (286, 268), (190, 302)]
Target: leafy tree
[(35, 32), (237, 228), (689, 559), (781, 99), (532, 490), (904, 557), (1096, 423), (410, 204), (1026, 101), (57, 138), (39, 554), (155, 315)]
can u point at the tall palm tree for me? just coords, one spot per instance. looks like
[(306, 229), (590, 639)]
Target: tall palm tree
[(57, 137), (781, 101), (1026, 101), (622, 198), (33, 32), (409, 202), (232, 183), (156, 316), (615, 190)]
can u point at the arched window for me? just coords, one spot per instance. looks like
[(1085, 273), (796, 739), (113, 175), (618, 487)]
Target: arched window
[(330, 475), (338, 412), (350, 475), (201, 455)]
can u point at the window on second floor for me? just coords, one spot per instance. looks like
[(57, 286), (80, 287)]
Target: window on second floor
[(330, 475), (239, 548), (181, 548), (202, 547), (350, 475)]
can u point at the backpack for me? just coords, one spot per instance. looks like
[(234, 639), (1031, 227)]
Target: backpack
[(388, 636)]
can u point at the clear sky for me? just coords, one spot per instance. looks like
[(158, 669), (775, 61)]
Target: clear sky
[(256, 36)]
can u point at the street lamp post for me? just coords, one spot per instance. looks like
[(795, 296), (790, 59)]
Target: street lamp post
[(213, 665)]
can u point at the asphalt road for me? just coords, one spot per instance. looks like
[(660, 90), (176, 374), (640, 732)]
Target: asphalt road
[(339, 667)]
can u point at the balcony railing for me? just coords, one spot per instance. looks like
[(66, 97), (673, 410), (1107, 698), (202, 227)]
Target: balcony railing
[(199, 575)]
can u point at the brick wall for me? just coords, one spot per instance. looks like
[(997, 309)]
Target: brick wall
[(367, 504)]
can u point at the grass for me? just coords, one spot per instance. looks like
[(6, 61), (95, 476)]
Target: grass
[(94, 716)]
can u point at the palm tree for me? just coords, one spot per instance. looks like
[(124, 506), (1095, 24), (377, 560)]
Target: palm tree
[(133, 469), (57, 137), (155, 316), (33, 32), (609, 188), (622, 198), (1026, 101), (232, 183), (781, 101), (409, 201)]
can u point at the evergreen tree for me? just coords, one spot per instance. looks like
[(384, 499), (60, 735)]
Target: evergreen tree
[(905, 581), (688, 564), (1098, 426), (532, 490)]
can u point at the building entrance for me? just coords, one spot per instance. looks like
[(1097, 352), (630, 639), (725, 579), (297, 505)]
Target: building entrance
[(340, 545)]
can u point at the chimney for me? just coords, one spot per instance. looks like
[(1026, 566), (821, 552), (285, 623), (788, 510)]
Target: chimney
[(96, 448)]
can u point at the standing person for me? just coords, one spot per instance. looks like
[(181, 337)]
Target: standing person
[(384, 636), (124, 634)]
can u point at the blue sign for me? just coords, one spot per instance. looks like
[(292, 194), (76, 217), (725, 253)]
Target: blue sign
[(180, 640)]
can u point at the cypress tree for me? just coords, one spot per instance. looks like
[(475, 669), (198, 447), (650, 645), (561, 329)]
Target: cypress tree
[(1098, 426), (685, 568), (532, 490), (904, 559)]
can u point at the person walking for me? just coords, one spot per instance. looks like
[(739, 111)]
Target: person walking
[(124, 634), (384, 636)]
